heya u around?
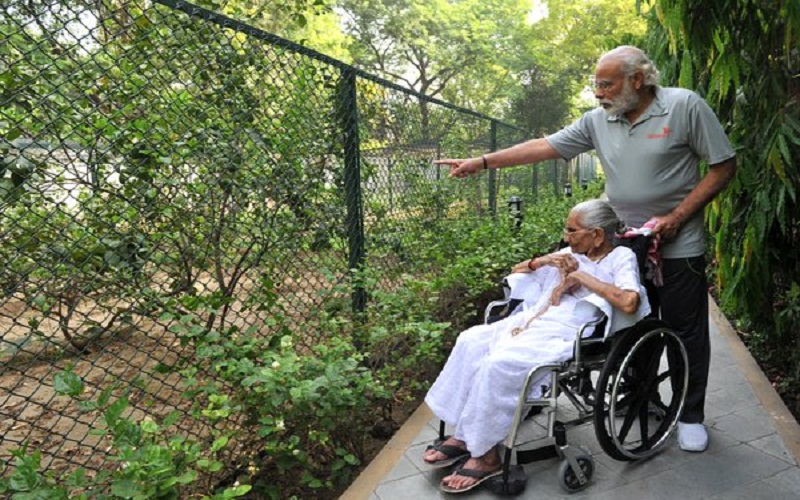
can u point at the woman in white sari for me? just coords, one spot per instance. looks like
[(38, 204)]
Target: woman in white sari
[(476, 393)]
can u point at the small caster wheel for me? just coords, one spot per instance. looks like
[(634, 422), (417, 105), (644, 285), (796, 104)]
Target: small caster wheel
[(567, 477)]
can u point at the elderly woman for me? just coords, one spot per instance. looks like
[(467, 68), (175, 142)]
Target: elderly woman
[(477, 391)]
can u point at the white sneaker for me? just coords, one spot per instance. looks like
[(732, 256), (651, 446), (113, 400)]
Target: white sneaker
[(692, 437)]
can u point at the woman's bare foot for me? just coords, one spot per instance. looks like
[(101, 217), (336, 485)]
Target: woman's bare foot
[(432, 455), (488, 463)]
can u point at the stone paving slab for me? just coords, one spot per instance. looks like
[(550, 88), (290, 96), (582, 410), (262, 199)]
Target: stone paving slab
[(753, 454)]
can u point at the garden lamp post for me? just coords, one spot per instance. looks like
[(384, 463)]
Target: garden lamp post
[(515, 210)]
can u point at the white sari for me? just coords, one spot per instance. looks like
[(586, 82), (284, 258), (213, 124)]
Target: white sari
[(478, 388)]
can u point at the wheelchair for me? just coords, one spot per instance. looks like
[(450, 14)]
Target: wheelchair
[(631, 384)]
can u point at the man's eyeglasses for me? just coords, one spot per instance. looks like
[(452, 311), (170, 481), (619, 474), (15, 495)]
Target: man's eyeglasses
[(602, 84)]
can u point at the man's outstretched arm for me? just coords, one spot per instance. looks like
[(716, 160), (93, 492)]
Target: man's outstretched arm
[(532, 151)]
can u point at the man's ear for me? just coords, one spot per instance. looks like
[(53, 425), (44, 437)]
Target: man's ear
[(638, 80)]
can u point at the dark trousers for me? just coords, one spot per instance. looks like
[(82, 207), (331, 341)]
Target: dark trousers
[(683, 305)]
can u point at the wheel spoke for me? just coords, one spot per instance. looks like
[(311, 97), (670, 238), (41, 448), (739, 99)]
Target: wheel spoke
[(664, 376), (658, 403), (630, 417), (635, 385), (643, 421), (652, 364)]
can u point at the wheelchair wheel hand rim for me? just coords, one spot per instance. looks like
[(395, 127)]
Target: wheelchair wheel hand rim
[(615, 393)]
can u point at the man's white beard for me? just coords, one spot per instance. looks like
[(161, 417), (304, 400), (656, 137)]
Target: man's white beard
[(627, 100)]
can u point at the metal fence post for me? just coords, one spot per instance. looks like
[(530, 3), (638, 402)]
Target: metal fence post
[(493, 172), (354, 220)]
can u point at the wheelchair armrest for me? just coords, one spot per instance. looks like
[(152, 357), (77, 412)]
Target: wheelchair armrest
[(505, 306), (598, 327), (495, 304)]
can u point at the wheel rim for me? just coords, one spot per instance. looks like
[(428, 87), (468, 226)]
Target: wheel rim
[(570, 478), (631, 413)]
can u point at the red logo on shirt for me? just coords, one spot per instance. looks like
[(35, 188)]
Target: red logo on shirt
[(662, 135)]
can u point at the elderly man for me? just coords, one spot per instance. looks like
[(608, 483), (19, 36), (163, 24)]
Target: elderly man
[(650, 141)]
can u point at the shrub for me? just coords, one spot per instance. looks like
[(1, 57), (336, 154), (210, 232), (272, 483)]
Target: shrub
[(152, 463)]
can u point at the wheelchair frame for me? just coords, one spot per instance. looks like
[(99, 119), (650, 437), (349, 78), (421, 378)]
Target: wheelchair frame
[(628, 363)]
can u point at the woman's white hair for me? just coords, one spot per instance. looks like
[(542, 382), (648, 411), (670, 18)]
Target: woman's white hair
[(598, 214), (634, 59)]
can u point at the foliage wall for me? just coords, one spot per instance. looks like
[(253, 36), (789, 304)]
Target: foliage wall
[(743, 57)]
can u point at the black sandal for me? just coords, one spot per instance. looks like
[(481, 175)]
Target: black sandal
[(453, 454), (480, 475)]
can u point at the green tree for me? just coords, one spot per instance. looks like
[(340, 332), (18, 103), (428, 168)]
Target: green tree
[(743, 57), (185, 164), (435, 46), (564, 39), (545, 103), (576, 32), (308, 22)]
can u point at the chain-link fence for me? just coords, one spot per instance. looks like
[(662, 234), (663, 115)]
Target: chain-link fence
[(166, 171)]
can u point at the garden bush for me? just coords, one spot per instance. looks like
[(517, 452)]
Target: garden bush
[(299, 415)]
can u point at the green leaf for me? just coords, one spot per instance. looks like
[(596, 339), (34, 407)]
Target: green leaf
[(774, 161), (126, 488), (114, 411), (149, 427), (233, 492), (219, 444), (67, 384), (187, 477), (87, 406), (77, 479), (13, 134), (686, 78), (25, 479), (787, 156), (173, 417), (105, 396)]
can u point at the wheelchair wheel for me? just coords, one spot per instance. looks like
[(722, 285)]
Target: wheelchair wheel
[(641, 391), (569, 479)]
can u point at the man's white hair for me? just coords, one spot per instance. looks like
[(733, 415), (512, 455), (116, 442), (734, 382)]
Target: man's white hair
[(634, 59)]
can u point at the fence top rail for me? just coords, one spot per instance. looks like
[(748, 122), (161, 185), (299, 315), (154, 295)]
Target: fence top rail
[(226, 22)]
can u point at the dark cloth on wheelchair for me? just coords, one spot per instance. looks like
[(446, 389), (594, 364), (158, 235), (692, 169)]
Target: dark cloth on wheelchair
[(647, 247)]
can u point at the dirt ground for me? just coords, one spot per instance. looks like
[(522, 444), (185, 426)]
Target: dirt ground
[(139, 356), (32, 412)]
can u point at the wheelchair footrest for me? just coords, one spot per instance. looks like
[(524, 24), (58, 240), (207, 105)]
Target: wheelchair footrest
[(511, 484)]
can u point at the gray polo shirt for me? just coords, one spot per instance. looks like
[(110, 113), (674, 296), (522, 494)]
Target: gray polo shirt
[(652, 166)]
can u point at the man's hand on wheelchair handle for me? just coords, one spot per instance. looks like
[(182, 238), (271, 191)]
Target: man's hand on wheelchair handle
[(667, 225)]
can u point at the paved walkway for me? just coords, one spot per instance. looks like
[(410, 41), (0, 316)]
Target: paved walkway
[(754, 451)]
